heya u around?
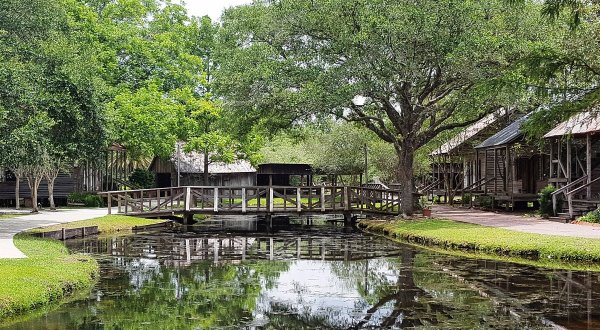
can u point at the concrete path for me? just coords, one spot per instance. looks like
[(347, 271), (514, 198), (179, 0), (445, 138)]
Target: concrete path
[(515, 222), (12, 226)]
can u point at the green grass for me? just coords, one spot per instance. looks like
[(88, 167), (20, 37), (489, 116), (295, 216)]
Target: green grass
[(47, 276), (10, 216), (453, 235), (108, 224)]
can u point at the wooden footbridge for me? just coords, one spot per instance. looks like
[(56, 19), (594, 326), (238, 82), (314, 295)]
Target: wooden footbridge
[(269, 200)]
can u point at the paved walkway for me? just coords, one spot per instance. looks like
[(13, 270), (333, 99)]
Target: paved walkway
[(515, 222), (12, 226)]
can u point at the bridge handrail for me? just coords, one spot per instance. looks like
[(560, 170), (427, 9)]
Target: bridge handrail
[(233, 199)]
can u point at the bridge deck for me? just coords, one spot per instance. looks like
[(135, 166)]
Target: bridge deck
[(254, 200)]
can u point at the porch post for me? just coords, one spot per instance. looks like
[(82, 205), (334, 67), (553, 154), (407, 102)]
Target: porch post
[(568, 162), (552, 161), (588, 163)]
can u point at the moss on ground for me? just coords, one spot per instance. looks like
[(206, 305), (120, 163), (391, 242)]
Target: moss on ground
[(108, 224), (454, 235), (48, 275)]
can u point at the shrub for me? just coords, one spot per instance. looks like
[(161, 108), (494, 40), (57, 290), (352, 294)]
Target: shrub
[(92, 200), (85, 198), (143, 179), (486, 202), (466, 198), (593, 217), (545, 200)]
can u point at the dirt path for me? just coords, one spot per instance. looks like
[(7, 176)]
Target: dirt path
[(515, 222), (10, 227)]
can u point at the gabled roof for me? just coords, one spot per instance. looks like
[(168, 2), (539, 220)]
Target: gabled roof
[(509, 134), (469, 132), (579, 124), (193, 162)]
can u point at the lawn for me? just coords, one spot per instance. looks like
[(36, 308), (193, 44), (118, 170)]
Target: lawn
[(108, 224), (10, 216), (48, 275), (468, 237)]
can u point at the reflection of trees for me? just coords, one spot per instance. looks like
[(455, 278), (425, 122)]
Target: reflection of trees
[(409, 292), (203, 295)]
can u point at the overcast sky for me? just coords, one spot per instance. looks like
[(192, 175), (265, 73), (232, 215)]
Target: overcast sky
[(212, 8)]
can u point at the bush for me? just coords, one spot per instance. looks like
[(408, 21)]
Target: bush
[(142, 179), (93, 201), (593, 217), (545, 201), (466, 199), (85, 198), (486, 202)]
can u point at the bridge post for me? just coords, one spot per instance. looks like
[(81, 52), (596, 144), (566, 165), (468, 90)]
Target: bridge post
[(188, 197), (109, 203), (126, 202), (216, 200), (349, 220), (346, 199), (298, 200), (244, 200), (271, 206), (322, 199)]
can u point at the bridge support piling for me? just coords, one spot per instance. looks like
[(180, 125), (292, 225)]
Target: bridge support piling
[(349, 220), (188, 219)]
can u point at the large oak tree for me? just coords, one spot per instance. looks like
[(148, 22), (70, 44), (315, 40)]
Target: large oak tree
[(407, 70)]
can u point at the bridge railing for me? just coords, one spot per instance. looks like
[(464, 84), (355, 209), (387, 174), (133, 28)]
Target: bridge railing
[(256, 199)]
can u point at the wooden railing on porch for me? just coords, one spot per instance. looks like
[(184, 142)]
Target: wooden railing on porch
[(570, 194), (256, 200), (566, 190)]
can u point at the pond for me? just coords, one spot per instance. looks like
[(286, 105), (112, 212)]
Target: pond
[(312, 277)]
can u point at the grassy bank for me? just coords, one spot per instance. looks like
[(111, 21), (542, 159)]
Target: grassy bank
[(48, 275), (108, 224), (453, 235)]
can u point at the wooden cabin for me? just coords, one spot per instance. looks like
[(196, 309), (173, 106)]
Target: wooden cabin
[(190, 166), (455, 166), (77, 179), (512, 172), (282, 174), (575, 163)]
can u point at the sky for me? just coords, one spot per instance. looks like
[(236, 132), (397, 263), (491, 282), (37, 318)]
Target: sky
[(212, 8)]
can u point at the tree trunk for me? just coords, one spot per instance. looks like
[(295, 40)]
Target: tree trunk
[(406, 157), (17, 191), (51, 192), (33, 182), (206, 174)]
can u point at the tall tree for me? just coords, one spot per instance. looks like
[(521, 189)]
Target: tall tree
[(406, 70)]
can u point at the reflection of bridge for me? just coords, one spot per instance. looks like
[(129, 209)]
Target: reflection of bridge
[(182, 251), (255, 200)]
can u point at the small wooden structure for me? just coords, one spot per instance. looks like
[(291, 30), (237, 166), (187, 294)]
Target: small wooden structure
[(282, 174), (574, 160), (513, 172), (190, 166)]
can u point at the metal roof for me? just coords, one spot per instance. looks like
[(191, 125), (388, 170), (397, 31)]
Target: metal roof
[(193, 162), (469, 132), (581, 123), (507, 135)]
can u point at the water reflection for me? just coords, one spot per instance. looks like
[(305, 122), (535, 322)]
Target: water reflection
[(307, 279)]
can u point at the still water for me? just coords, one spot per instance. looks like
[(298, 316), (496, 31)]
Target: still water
[(317, 277)]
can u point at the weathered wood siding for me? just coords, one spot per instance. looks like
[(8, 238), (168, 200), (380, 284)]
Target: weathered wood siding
[(63, 186)]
